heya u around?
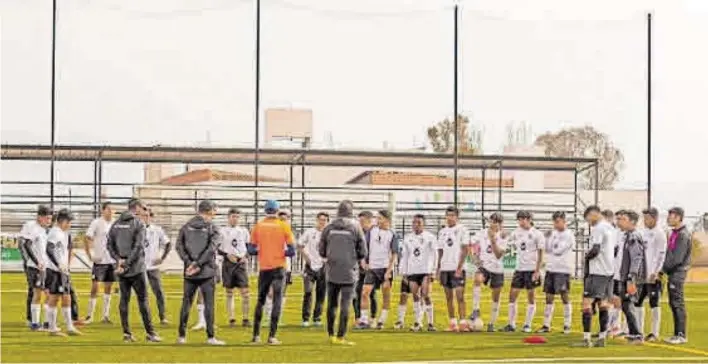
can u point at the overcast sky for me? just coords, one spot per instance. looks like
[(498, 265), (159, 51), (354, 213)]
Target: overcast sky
[(181, 71)]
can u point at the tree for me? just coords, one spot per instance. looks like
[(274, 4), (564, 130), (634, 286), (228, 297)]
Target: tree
[(441, 137), (586, 142), (518, 134)]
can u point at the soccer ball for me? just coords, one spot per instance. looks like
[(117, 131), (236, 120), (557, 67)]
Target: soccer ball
[(477, 325)]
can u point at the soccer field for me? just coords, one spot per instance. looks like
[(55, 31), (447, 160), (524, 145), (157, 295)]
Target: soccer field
[(103, 343)]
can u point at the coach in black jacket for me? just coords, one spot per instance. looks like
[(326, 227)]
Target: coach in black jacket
[(126, 244), (196, 245), (676, 264)]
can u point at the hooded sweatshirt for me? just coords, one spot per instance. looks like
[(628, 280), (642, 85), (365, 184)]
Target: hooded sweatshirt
[(342, 244), (196, 244), (678, 252), (634, 263), (126, 241)]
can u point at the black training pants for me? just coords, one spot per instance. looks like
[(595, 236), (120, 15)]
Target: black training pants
[(74, 303), (677, 303), (317, 280), (207, 287), (274, 278), (333, 301), (138, 284), (357, 298)]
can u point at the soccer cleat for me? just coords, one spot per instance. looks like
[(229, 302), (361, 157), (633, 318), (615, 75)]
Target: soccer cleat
[(636, 340), (153, 338), (164, 322), (106, 321), (527, 329), (452, 328), (128, 338), (317, 323), (181, 340), (246, 323), (273, 341), (45, 326), (379, 326), (306, 324), (431, 328), (256, 340), (566, 330), (199, 326), (508, 328), (490, 328), (651, 338), (416, 327), (74, 332), (543, 330), (475, 314), (88, 320), (600, 343), (232, 323), (676, 340), (214, 341), (361, 325), (586, 343), (36, 327), (398, 325), (57, 332)]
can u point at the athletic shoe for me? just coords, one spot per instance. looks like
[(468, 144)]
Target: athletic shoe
[(398, 325), (586, 343), (181, 340), (232, 323), (361, 325), (306, 324), (246, 323), (153, 338), (106, 321), (215, 341), (651, 338), (164, 322), (566, 330), (317, 323), (45, 326), (416, 327), (379, 326), (475, 314), (676, 340), (490, 328), (128, 338), (637, 340), (508, 328), (543, 330), (431, 328), (199, 326), (526, 329), (57, 332), (341, 341), (600, 343), (36, 327), (256, 340), (452, 328), (88, 320), (273, 341), (74, 332)]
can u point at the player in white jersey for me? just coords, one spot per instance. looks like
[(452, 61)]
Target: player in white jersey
[(529, 243), (417, 265), (490, 249), (559, 266), (233, 247), (313, 276), (103, 270), (33, 243), (453, 247), (383, 254), (616, 325), (155, 240), (655, 243), (598, 283), (57, 280)]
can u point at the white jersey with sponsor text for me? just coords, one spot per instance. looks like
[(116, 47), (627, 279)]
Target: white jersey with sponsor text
[(490, 262), (98, 232), (35, 233), (655, 248), (559, 251), (450, 241), (605, 236), (155, 239), (310, 242), (528, 242), (59, 240), (233, 240), (418, 254)]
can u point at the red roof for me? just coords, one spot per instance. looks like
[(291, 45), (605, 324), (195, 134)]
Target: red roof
[(394, 178), (206, 175)]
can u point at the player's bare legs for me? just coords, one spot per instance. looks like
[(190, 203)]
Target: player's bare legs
[(417, 310), (428, 302), (461, 307), (587, 319), (530, 309), (386, 293), (107, 291), (402, 306), (513, 295), (496, 303), (449, 300), (36, 307), (364, 306)]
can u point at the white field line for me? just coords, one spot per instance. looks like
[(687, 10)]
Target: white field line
[(695, 359)]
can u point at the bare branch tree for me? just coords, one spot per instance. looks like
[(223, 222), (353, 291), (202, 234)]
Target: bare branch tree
[(441, 137)]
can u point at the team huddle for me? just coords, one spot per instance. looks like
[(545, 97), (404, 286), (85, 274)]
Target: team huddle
[(347, 261)]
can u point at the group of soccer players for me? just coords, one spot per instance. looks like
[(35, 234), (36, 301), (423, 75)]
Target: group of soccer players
[(624, 266)]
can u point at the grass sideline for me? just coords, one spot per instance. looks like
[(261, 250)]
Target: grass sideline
[(102, 343)]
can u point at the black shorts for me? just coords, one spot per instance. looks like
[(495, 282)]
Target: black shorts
[(449, 281), (418, 279), (103, 273), (493, 280), (524, 280), (556, 283), (651, 290), (599, 287), (57, 283), (234, 275), (376, 278), (617, 290), (35, 277)]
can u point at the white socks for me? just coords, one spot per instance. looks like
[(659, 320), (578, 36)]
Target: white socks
[(67, 318), (639, 314), (495, 313), (383, 316), (655, 320), (46, 308), (429, 311), (530, 313), (91, 306), (364, 316), (512, 314), (36, 310), (200, 311), (612, 322), (245, 305), (106, 305), (476, 296), (402, 311), (418, 312), (548, 314), (230, 305), (567, 314), (51, 315)]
